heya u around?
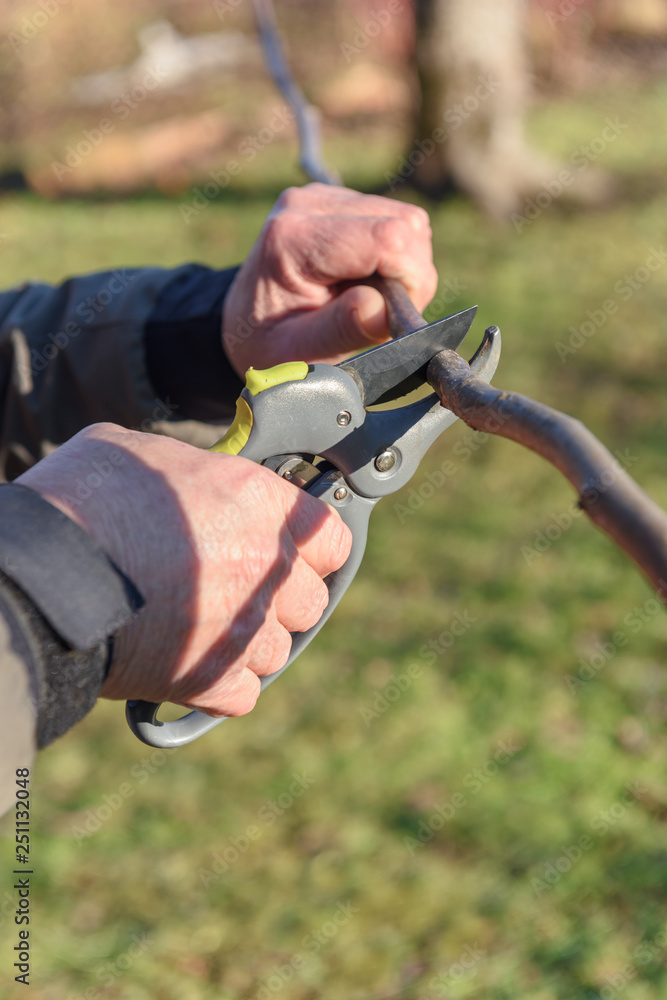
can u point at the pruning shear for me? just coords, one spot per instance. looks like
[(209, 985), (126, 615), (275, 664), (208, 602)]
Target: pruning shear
[(312, 425)]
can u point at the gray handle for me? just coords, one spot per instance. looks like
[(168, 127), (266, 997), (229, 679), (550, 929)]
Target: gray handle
[(355, 512)]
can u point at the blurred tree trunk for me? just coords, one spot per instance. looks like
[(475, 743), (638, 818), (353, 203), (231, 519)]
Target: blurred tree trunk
[(474, 79)]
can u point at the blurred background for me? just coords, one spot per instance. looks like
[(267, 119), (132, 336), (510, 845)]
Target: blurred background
[(459, 790)]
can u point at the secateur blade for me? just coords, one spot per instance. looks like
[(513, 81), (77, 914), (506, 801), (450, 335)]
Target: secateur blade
[(397, 368)]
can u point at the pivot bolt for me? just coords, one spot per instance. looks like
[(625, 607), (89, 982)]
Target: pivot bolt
[(386, 460), (343, 418), (340, 493)]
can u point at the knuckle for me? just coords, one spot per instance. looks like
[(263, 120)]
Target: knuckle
[(316, 253), (271, 649), (317, 188), (282, 645), (340, 542), (279, 249), (95, 431), (318, 598), (275, 229), (254, 489), (392, 234), (289, 198), (240, 698), (419, 217)]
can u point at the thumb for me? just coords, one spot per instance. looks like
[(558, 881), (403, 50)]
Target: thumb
[(355, 320)]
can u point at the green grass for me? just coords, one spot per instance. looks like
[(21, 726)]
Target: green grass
[(473, 893)]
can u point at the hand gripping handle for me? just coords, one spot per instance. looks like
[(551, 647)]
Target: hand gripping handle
[(355, 512)]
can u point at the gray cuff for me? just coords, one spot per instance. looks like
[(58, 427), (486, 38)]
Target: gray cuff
[(65, 599), (78, 589)]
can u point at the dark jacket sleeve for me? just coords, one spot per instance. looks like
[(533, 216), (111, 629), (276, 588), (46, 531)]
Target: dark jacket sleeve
[(62, 601), (141, 348), (92, 349)]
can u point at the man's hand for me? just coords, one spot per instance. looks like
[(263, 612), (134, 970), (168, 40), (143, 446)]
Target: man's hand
[(229, 557), (285, 303)]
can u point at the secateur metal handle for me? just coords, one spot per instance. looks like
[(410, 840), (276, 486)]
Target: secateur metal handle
[(142, 715), (340, 430), (402, 317)]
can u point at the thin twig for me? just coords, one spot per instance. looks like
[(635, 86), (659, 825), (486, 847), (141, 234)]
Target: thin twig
[(307, 117), (607, 494)]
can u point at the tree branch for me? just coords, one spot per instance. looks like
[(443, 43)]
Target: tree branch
[(307, 116), (607, 494)]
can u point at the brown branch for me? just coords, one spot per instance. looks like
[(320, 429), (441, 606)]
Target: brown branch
[(607, 494)]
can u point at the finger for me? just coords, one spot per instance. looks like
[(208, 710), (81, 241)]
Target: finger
[(325, 199), (355, 320), (302, 598), (269, 649), (322, 251), (219, 687), (234, 694), (328, 549), (322, 539)]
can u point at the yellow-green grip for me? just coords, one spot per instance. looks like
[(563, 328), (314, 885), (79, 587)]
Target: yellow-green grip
[(237, 436), (256, 381)]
